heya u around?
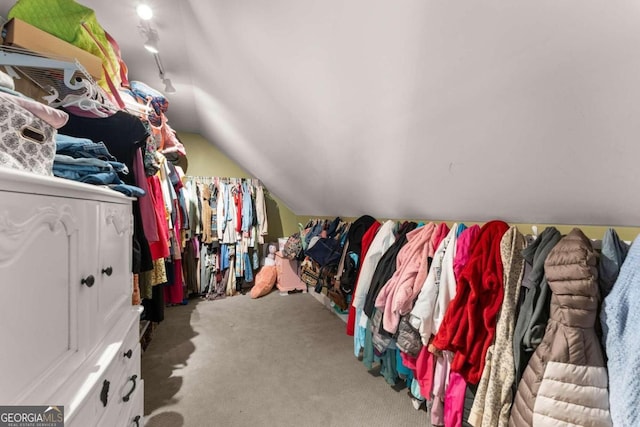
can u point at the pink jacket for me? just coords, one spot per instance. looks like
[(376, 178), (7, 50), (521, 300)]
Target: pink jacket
[(397, 295)]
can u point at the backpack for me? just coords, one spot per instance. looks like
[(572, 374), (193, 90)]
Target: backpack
[(293, 247), (349, 273), (325, 251)]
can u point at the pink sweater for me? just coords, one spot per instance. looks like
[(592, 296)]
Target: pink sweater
[(397, 295)]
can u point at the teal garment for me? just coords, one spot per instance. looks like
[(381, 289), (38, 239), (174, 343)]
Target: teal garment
[(368, 357), (358, 335), (461, 228), (388, 369), (403, 372), (415, 390)]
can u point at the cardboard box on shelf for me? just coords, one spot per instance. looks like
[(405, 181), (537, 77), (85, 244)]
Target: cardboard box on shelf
[(24, 35)]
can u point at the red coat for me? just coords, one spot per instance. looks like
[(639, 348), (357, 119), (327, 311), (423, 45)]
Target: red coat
[(470, 321)]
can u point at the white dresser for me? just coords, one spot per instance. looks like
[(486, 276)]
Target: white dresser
[(68, 332)]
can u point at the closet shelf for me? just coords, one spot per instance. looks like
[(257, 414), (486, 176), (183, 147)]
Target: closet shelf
[(61, 78)]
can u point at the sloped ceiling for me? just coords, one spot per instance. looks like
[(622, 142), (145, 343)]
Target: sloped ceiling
[(525, 111)]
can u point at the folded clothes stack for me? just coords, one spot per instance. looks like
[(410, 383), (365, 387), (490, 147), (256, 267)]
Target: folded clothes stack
[(83, 160)]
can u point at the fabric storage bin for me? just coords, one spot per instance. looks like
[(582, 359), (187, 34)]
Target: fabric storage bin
[(27, 143)]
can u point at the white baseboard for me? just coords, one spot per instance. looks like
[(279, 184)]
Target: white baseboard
[(324, 300)]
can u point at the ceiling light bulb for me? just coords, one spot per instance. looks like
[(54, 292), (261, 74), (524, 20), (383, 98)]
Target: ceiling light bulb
[(144, 11)]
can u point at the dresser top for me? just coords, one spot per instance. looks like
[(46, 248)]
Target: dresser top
[(16, 181)]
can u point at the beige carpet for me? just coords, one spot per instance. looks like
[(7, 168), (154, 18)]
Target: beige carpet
[(275, 361)]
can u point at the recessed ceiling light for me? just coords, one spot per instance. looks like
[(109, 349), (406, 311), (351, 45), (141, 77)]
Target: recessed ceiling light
[(144, 11)]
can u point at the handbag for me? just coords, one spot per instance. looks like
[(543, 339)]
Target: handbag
[(409, 340), (309, 273), (27, 142), (338, 298), (292, 247)]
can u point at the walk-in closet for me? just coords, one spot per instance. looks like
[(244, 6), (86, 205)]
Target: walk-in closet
[(302, 213)]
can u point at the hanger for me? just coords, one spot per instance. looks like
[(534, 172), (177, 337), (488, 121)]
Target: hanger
[(91, 100)]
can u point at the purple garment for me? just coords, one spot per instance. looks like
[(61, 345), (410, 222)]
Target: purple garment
[(147, 210)]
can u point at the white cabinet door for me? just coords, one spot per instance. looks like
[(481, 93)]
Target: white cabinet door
[(114, 287), (40, 282)]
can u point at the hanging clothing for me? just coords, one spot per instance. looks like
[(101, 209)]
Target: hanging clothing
[(173, 292), (423, 311), (221, 214), (236, 192), (207, 235), (454, 400), (382, 241), (190, 270), (386, 267), (620, 317), (612, 256), (565, 381), (365, 243), (397, 295), (493, 398), (160, 247), (147, 206), (534, 308), (261, 213), (440, 383), (247, 208), (475, 312)]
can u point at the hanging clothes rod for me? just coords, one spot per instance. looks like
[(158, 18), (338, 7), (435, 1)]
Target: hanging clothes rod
[(209, 179)]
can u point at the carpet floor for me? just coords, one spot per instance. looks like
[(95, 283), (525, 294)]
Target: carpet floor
[(275, 361)]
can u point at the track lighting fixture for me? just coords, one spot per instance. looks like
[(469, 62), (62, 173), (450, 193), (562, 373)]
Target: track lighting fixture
[(168, 86), (151, 43), (152, 39)]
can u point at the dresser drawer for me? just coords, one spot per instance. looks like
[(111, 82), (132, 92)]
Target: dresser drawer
[(107, 376), (106, 399), (131, 415), (126, 357)]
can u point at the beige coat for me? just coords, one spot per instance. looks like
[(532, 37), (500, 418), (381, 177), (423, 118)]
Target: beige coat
[(494, 395), (566, 381)]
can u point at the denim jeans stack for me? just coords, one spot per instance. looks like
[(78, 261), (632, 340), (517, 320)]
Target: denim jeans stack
[(90, 162)]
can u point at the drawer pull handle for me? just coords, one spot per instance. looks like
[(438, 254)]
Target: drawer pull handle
[(128, 395), (104, 394), (137, 420), (89, 281), (128, 354), (108, 271)]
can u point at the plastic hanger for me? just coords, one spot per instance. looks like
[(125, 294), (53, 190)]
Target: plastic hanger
[(88, 101)]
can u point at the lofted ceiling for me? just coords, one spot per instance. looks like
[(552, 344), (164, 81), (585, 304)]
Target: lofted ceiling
[(524, 111)]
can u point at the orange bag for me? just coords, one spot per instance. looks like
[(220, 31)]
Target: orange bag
[(265, 281)]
